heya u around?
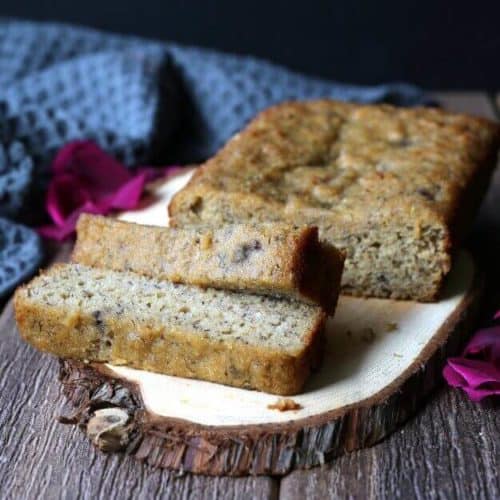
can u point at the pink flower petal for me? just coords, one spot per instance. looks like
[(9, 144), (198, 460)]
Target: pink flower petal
[(96, 171), (87, 179), (486, 342), (88, 160), (129, 195), (473, 372), (452, 376), (476, 391), (477, 395), (60, 232), (64, 195), (473, 383), (477, 371)]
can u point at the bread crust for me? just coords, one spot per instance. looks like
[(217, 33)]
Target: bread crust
[(359, 173), (121, 340), (269, 259)]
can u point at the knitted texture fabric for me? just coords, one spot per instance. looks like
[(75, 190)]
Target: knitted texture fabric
[(142, 101), (20, 253)]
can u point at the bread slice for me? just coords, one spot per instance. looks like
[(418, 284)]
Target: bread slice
[(244, 340), (395, 189), (269, 259)]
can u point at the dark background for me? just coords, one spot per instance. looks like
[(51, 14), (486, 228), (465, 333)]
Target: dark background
[(439, 45)]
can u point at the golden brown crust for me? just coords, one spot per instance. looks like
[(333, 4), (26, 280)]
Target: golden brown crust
[(354, 170), (270, 259), (121, 340)]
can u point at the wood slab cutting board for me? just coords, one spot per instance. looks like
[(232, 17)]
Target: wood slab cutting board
[(382, 357)]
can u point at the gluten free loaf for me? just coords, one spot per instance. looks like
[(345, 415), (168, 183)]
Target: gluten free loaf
[(394, 188), (250, 341), (269, 259)]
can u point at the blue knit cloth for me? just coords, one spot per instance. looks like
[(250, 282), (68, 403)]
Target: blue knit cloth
[(143, 101)]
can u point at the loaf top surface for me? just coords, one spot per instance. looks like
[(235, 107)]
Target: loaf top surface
[(326, 157), (217, 315)]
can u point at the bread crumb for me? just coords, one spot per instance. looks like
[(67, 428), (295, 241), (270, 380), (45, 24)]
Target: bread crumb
[(285, 404), (119, 362), (391, 327)]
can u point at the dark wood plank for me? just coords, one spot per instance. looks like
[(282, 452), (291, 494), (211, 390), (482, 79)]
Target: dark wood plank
[(451, 449), (41, 458)]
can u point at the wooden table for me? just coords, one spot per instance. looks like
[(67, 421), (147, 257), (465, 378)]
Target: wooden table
[(451, 449)]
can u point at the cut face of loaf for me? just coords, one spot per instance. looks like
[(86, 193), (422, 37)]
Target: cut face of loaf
[(250, 341), (269, 259), (395, 189)]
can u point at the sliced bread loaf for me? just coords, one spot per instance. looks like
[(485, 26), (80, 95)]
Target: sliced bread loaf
[(395, 189), (269, 259), (244, 340)]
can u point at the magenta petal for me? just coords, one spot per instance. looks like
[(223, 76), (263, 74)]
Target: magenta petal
[(475, 372), (497, 315), (479, 377), (99, 172), (477, 383), (65, 157), (453, 377), (87, 179), (62, 231), (64, 195), (478, 394), (129, 195), (487, 342)]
